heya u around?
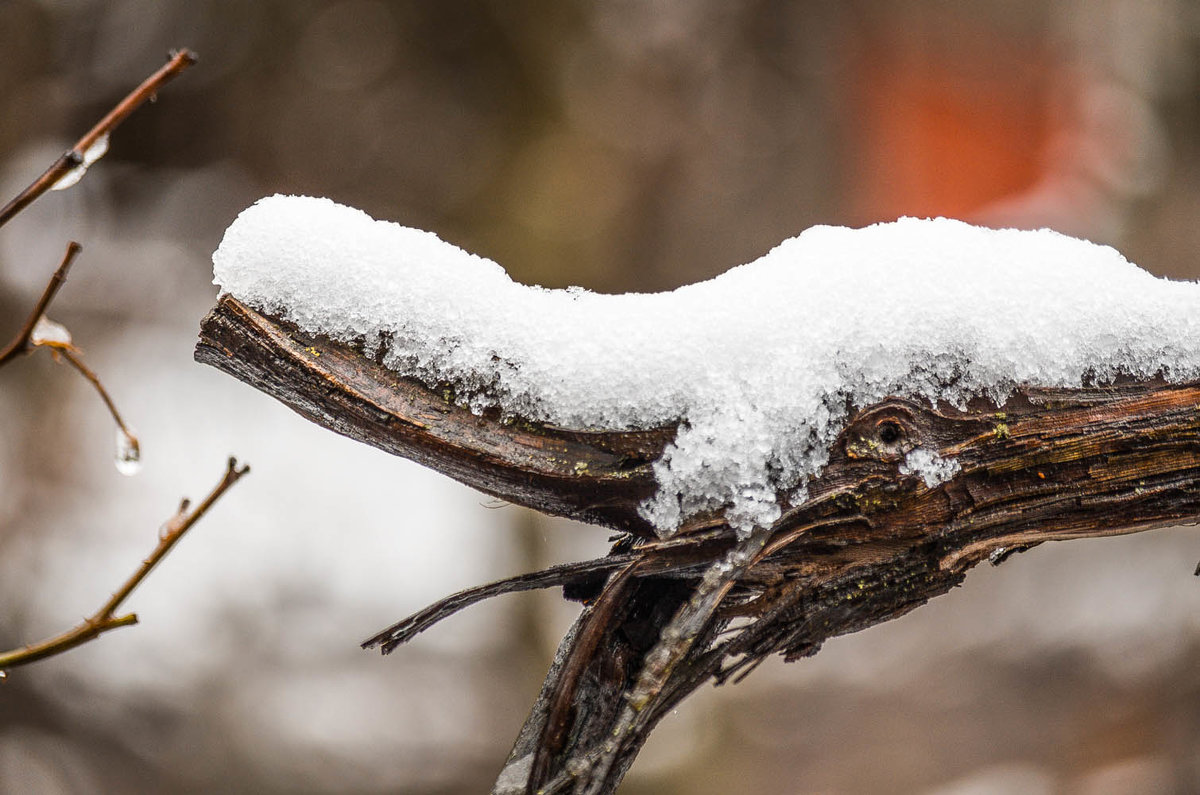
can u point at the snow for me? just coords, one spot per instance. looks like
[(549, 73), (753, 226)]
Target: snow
[(759, 367), (97, 150), (931, 467)]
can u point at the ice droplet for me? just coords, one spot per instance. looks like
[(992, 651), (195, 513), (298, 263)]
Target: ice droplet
[(129, 453), (93, 153), (46, 330)]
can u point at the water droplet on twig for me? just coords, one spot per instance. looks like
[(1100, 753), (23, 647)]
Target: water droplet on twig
[(128, 459), (93, 153), (46, 330)]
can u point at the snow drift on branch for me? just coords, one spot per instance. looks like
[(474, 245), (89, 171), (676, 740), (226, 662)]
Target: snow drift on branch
[(759, 367)]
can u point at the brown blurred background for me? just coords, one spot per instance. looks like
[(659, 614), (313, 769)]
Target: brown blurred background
[(620, 146)]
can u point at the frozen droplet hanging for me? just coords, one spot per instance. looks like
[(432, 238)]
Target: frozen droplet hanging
[(128, 458)]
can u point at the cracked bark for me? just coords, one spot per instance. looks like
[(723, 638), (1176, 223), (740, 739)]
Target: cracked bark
[(869, 545)]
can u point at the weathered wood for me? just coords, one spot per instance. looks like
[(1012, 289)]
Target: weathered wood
[(869, 545), (593, 477)]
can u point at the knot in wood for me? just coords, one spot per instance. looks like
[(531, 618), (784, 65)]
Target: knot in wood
[(887, 431)]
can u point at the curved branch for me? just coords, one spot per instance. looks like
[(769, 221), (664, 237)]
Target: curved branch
[(873, 541), (22, 342), (565, 574), (595, 477)]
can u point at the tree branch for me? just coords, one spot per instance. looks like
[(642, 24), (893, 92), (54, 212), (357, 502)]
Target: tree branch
[(77, 156), (28, 338), (106, 619), (21, 343), (39, 331), (72, 356), (590, 476), (871, 543)]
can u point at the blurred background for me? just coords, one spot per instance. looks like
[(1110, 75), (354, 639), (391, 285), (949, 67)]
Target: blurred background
[(617, 145)]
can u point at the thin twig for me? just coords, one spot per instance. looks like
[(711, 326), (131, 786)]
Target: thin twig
[(105, 618), (21, 343), (24, 342), (562, 574), (73, 357), (74, 157)]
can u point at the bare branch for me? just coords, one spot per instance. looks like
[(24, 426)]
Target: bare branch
[(76, 156), (105, 619), (25, 342), (564, 574), (21, 343), (588, 575)]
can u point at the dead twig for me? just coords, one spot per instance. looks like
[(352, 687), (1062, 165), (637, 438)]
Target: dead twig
[(105, 618), (562, 575), (80, 154)]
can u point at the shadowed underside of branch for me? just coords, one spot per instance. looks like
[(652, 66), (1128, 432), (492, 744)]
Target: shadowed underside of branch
[(664, 617)]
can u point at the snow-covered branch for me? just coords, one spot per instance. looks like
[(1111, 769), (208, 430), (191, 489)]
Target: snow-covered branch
[(869, 544), (807, 446)]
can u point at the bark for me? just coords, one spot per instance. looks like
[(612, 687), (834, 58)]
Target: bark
[(664, 617)]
